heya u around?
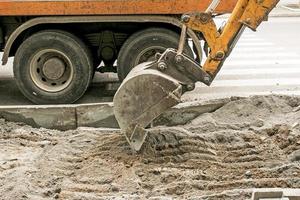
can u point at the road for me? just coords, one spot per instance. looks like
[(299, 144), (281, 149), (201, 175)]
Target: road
[(284, 2), (263, 62)]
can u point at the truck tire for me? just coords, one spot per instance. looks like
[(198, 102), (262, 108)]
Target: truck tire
[(143, 45), (53, 67)]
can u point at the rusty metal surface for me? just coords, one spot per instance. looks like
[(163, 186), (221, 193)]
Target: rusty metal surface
[(257, 11), (106, 7), (90, 19)]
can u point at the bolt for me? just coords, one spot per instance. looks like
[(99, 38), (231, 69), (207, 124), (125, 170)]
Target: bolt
[(162, 66), (220, 55), (204, 18), (190, 87), (178, 58), (185, 18), (206, 79)]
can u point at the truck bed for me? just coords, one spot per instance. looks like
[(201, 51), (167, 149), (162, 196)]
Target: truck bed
[(107, 7)]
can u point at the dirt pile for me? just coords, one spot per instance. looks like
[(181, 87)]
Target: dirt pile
[(248, 143)]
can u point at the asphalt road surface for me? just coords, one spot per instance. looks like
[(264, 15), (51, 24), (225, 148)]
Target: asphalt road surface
[(263, 62)]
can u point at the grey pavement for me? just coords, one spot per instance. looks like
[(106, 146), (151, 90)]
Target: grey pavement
[(10, 94), (263, 62)]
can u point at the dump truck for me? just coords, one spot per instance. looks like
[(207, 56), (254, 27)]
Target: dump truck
[(58, 45), (154, 47)]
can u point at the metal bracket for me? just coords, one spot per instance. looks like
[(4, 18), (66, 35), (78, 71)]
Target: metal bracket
[(182, 68)]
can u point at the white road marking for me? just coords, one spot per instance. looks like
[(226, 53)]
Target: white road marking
[(260, 82), (255, 67), (270, 61), (275, 71)]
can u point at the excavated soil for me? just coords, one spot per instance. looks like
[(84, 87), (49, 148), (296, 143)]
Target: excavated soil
[(248, 143)]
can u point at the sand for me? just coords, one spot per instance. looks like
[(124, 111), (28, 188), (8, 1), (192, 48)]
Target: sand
[(247, 143)]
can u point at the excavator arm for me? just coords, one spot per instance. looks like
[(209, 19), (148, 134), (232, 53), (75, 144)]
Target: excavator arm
[(153, 87)]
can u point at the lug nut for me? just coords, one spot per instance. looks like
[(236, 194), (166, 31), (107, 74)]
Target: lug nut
[(162, 66)]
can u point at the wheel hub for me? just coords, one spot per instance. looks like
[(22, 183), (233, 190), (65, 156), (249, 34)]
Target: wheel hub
[(51, 70), (54, 68)]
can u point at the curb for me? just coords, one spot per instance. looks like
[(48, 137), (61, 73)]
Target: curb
[(275, 194), (66, 117), (61, 117)]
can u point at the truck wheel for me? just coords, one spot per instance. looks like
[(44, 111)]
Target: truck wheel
[(53, 67), (143, 45)]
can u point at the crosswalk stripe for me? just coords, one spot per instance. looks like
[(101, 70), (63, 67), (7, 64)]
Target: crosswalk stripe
[(262, 62), (266, 54), (251, 39), (242, 71), (256, 49), (253, 82), (256, 76), (267, 67), (263, 44), (248, 36)]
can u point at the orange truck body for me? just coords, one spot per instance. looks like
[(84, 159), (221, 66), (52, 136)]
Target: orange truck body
[(107, 7)]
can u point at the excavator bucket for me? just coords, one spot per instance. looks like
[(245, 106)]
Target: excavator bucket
[(150, 89), (141, 98)]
